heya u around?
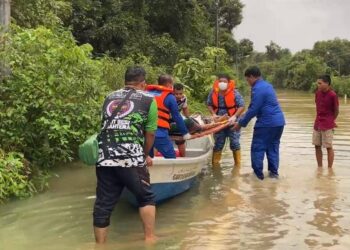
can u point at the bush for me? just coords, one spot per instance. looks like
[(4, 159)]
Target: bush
[(341, 85), (14, 176), (51, 101)]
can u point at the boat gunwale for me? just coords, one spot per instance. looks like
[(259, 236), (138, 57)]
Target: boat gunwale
[(180, 160)]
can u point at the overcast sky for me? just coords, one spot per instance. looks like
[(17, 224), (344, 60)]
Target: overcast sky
[(293, 24)]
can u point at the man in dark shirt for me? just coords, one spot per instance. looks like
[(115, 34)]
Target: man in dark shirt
[(327, 110), (124, 143)]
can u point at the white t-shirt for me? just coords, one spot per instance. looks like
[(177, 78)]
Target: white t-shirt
[(182, 103)]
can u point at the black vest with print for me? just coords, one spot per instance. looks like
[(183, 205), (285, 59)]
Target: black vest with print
[(121, 143)]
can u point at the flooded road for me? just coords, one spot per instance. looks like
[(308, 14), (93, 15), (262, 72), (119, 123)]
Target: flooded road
[(306, 208)]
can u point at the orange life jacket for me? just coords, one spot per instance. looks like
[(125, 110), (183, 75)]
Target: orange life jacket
[(163, 112), (229, 97)]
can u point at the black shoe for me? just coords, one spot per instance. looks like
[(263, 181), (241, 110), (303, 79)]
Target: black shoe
[(273, 175), (260, 176)]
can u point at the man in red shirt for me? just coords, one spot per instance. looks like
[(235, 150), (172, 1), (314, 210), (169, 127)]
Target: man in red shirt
[(327, 110)]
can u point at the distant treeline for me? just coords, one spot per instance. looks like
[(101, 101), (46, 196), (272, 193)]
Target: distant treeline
[(299, 71)]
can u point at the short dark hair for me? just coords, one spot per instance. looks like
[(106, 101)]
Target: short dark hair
[(252, 71), (326, 78), (134, 74), (164, 78), (223, 75), (178, 86)]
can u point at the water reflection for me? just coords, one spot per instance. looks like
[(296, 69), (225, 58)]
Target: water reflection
[(326, 216), (217, 225), (267, 215)]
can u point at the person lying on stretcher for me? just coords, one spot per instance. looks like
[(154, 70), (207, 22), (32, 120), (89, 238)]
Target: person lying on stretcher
[(196, 130)]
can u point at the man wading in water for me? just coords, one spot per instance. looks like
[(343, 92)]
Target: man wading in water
[(123, 153)]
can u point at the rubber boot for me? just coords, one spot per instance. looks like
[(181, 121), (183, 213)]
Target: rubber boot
[(237, 157), (216, 158)]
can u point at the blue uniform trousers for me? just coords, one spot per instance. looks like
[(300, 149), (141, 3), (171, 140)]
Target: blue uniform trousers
[(266, 140), (165, 146)]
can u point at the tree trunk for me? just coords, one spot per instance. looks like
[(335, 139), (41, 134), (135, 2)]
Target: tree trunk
[(5, 13)]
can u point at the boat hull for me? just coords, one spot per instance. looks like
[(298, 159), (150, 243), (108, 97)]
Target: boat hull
[(165, 191), (171, 177)]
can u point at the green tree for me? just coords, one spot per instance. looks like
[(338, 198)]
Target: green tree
[(48, 13), (246, 47), (303, 70), (162, 30), (275, 52), (230, 14), (199, 74), (336, 54), (111, 26), (341, 85)]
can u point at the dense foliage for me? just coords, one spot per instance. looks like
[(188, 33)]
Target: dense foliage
[(14, 176), (52, 97), (49, 13), (163, 30), (51, 100)]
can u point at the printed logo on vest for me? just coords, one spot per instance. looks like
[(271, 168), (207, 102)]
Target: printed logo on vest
[(126, 109)]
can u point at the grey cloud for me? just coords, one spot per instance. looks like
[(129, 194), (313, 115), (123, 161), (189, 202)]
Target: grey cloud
[(293, 24)]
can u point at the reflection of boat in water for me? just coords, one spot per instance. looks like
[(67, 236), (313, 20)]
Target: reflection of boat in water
[(170, 177)]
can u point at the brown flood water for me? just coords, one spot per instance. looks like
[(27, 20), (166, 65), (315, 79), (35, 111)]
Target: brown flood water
[(306, 208)]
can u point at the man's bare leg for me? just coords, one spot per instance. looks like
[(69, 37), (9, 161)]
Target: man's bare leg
[(330, 157), (148, 217), (318, 151), (182, 149), (100, 235)]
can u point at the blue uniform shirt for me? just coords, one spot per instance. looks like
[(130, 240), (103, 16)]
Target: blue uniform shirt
[(264, 105), (223, 111), (171, 104)]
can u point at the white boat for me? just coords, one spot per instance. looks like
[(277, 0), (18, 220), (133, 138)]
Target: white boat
[(171, 177)]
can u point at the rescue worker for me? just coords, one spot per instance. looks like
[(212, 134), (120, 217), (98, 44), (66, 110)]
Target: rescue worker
[(224, 100), (167, 107), (269, 123)]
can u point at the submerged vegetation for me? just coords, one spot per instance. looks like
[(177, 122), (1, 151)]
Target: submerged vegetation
[(61, 57)]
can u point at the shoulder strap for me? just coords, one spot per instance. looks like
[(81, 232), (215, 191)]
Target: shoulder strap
[(117, 109)]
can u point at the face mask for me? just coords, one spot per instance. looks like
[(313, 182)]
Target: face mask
[(222, 85)]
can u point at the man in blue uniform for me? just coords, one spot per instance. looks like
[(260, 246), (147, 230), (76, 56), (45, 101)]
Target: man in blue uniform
[(269, 125)]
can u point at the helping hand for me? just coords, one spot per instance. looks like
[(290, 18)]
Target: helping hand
[(232, 120), (149, 161), (187, 136), (220, 118)]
